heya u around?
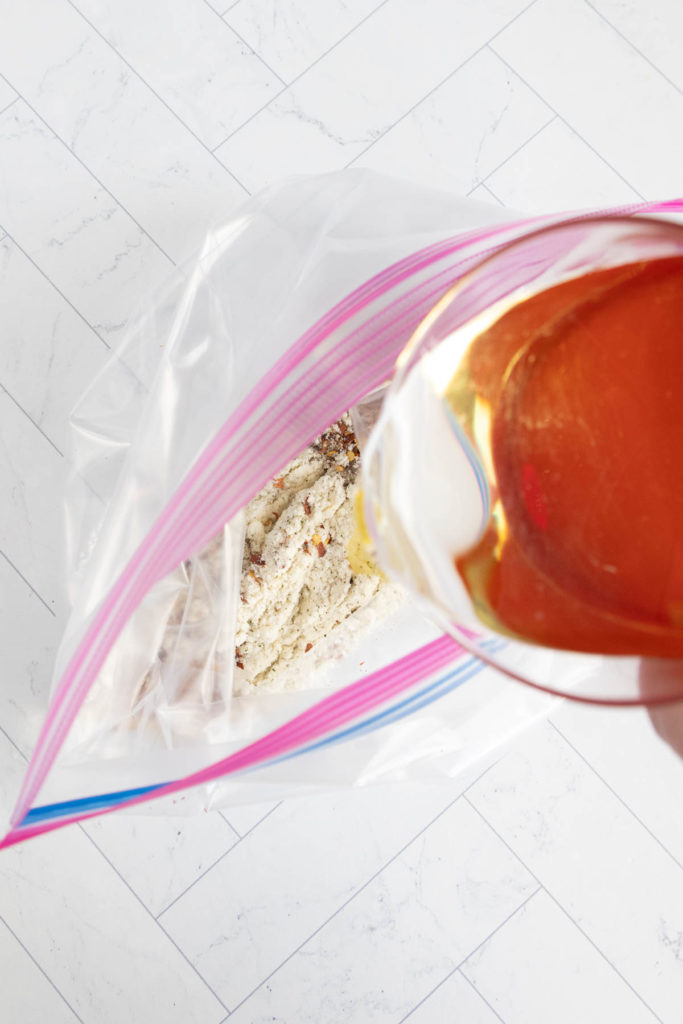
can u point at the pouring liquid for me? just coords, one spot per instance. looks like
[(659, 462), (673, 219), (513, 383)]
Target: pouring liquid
[(580, 390)]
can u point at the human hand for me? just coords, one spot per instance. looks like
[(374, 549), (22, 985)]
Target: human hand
[(668, 722), (658, 676)]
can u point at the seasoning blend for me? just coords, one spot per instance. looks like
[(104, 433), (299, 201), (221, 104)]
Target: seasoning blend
[(302, 601)]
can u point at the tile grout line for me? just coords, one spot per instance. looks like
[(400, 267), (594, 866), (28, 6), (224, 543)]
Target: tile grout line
[(170, 109), (346, 903), (218, 859), (634, 47), (438, 85), (194, 881), (481, 995), (57, 289), (472, 952), (296, 78), (566, 123), (518, 149), (493, 195), (51, 442), (26, 759), (361, 888), (483, 774), (42, 971), (487, 189), (52, 284), (10, 104), (221, 17), (30, 419), (224, 812), (149, 912), (15, 745), (132, 891), (231, 827), (605, 958), (272, 70), (565, 912), (91, 489), (615, 794), (89, 170), (245, 123), (29, 585), (79, 315)]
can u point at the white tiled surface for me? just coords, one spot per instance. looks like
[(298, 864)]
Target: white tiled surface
[(548, 889)]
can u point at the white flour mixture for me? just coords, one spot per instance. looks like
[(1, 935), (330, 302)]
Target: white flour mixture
[(301, 603)]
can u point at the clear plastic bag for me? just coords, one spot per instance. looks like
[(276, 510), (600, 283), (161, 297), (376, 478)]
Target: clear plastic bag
[(196, 348), (294, 312)]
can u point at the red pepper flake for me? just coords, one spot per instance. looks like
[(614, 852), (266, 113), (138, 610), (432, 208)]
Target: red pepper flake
[(238, 658), (320, 547), (243, 599), (307, 507), (257, 579), (305, 547), (308, 647), (256, 560), (279, 482)]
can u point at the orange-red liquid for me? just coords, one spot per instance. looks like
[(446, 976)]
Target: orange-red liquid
[(584, 383)]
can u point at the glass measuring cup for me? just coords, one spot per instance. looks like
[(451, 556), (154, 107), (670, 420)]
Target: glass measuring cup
[(454, 487)]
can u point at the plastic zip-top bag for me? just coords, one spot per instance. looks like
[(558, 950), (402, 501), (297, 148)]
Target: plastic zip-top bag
[(294, 313)]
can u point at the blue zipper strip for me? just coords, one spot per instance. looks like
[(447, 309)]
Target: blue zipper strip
[(85, 803), (395, 713)]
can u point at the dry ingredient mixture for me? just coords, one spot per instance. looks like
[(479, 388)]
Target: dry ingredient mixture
[(301, 606), (300, 601)]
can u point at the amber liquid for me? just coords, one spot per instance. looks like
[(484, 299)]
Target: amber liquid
[(582, 390)]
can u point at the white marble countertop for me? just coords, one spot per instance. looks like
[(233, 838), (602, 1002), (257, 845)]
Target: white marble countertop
[(547, 888)]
